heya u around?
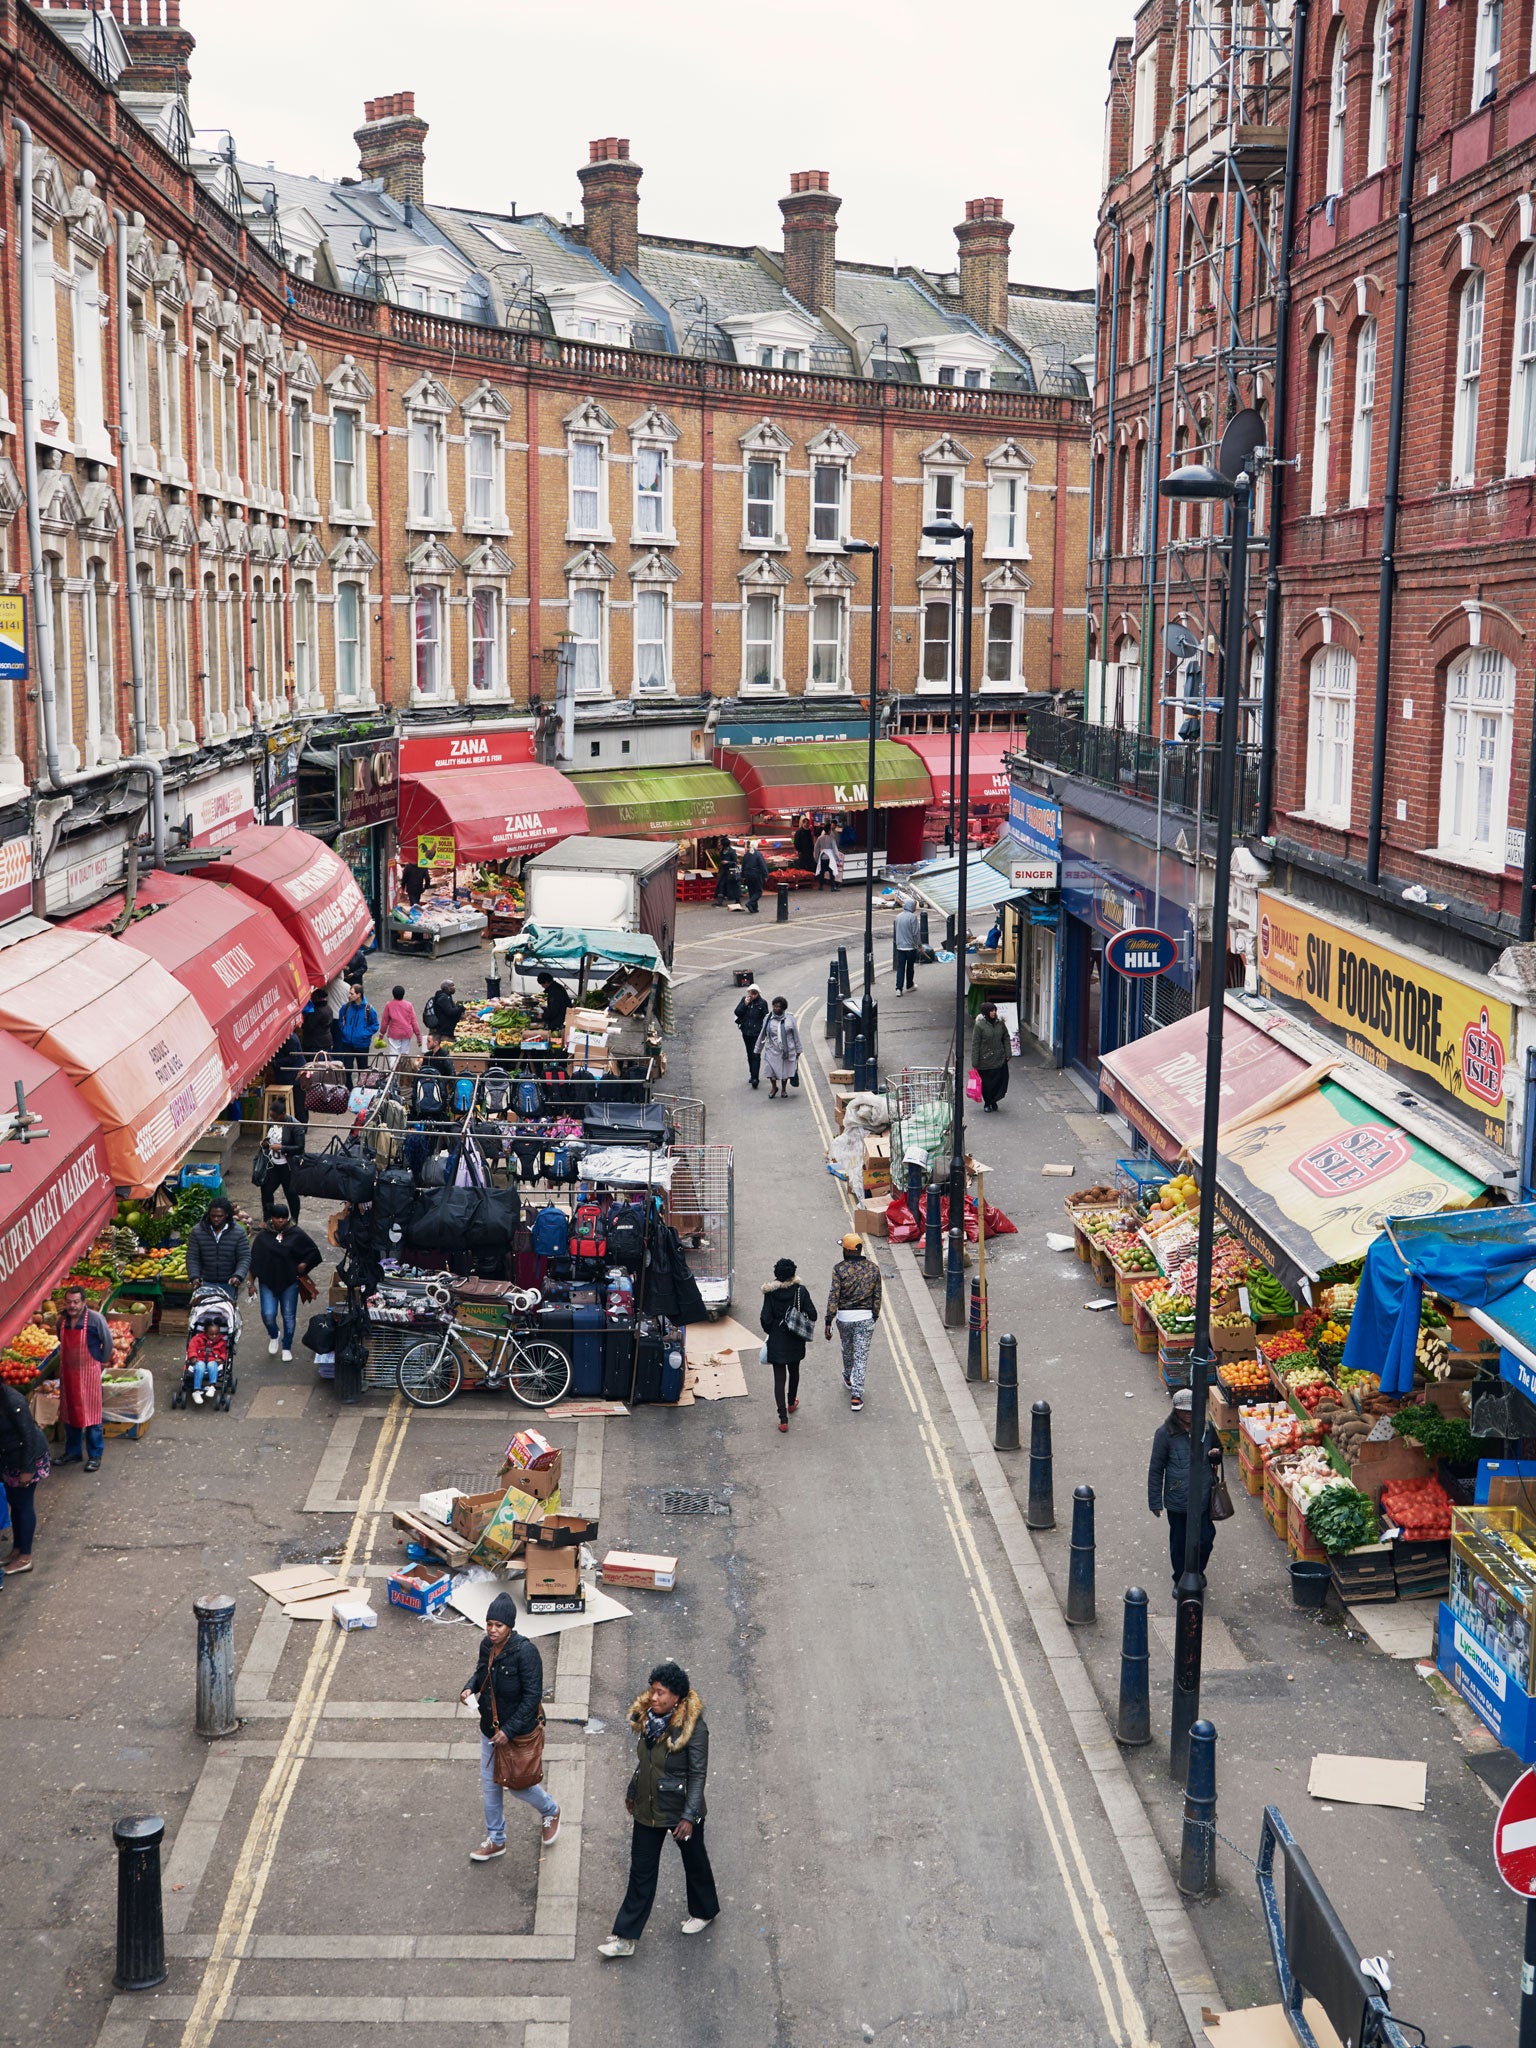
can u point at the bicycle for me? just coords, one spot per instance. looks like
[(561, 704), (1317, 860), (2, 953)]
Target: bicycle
[(432, 1372)]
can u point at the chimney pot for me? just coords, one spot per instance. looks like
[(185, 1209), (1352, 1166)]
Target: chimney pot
[(810, 239), (392, 145), (610, 192)]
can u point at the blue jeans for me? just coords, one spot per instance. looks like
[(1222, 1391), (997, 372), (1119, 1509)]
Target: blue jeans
[(491, 1797), (288, 1302), (95, 1441), (203, 1375)]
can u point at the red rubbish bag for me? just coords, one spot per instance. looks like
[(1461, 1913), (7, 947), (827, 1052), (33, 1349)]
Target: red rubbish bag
[(902, 1226)]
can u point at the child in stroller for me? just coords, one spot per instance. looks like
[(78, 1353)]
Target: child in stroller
[(213, 1332)]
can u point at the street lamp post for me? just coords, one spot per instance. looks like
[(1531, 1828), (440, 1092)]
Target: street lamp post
[(949, 826), (872, 549), (1196, 481), (955, 1306)]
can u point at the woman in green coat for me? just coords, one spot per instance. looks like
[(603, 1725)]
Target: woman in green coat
[(991, 1050)]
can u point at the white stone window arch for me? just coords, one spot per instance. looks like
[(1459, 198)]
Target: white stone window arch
[(652, 449), (1331, 734), (651, 582), (940, 628), (831, 586), (352, 562), (944, 466), (831, 455), (587, 577), (485, 414), (764, 459), (427, 406), (1009, 468), (486, 574), (431, 568), (589, 434), (763, 584), (350, 394), (1002, 628), (1475, 757)]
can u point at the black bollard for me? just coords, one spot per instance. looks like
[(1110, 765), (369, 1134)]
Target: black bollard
[(860, 1078), (832, 1000), (1197, 1852), (840, 1036), (1133, 1719), (949, 933), (140, 1918), (973, 1338), (933, 1233), (782, 916), (843, 983), (1005, 1435), (216, 1665), (1041, 1513), (1081, 1607)]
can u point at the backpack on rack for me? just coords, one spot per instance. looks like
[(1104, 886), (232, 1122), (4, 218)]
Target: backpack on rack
[(588, 1240), (530, 1098), (551, 1233), (394, 1197), (624, 1227), (496, 1091), (464, 1094), (431, 1099)]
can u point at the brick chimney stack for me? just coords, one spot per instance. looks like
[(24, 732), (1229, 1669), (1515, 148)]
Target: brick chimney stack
[(392, 146), (610, 203), (810, 240), (984, 237), (158, 46)]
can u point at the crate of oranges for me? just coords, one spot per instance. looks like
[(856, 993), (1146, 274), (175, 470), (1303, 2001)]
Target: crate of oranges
[(1243, 1379)]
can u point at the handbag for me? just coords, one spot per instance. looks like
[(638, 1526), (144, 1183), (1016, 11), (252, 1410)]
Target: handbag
[(518, 1762), (1220, 1508), (794, 1079), (973, 1086), (798, 1323)]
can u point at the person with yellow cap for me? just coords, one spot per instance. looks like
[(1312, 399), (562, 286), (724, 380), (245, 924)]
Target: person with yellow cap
[(854, 1303)]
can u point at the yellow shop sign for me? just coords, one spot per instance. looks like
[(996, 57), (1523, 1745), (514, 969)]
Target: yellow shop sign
[(434, 850), (1391, 1008)]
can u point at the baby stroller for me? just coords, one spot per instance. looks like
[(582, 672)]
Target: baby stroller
[(213, 1332)]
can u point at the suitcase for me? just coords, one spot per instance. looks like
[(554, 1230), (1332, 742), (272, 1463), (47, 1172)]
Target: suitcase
[(613, 1088), (618, 1361), (625, 1123), (587, 1352)]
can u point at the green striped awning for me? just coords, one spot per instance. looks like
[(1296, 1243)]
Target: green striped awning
[(828, 775), (662, 803)]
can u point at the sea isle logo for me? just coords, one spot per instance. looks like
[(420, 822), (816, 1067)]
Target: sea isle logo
[(1482, 1062)]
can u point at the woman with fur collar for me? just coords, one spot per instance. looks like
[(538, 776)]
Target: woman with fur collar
[(666, 1797)]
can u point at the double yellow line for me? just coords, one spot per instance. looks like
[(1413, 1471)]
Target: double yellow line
[(258, 1851), (1123, 2014)]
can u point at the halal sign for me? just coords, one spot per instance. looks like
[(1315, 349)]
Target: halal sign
[(1482, 1062), (1140, 953)]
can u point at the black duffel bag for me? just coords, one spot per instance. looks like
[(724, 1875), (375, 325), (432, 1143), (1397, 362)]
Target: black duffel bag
[(320, 1333), (443, 1221), (394, 1196), (347, 1175)]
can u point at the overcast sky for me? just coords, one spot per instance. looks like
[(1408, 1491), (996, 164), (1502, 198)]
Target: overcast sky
[(911, 108)]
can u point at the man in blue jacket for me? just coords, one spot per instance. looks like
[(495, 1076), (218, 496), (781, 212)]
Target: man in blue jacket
[(357, 1026)]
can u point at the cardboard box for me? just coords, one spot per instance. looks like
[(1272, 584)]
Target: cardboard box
[(552, 1574), (1222, 1416), (559, 1532), (128, 1429), (1376, 1464), (438, 1506), (870, 1216), (471, 1512), (1299, 1538), (557, 1603), (654, 1574), (419, 1588), (352, 1611), (531, 1451), (543, 1484)]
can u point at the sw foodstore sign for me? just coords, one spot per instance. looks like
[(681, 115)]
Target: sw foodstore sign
[(1391, 1009)]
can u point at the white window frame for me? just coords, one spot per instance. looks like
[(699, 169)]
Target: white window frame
[(1332, 679), (88, 305), (1144, 106), (1362, 430), (774, 600), (1520, 456), (1322, 423), (429, 605), (306, 680), (994, 601), (301, 457), (597, 681), (647, 594), (935, 606), (841, 682), (1338, 112), (836, 468), (1204, 55), (772, 461), (351, 590), (229, 410), (1379, 138), (344, 469), (180, 730), (481, 596), (651, 506), (427, 443), (168, 353), (485, 483), (1475, 758), (45, 326), (1471, 308), (1007, 514), (935, 474), (234, 608), (579, 448), (1485, 55)]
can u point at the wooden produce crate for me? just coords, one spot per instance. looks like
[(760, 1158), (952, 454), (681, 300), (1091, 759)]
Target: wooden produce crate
[(1299, 1539), (1365, 1573), (1276, 1501), (1222, 1416), (1123, 1295)]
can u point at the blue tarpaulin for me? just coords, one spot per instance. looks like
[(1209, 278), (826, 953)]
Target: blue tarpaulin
[(1476, 1257)]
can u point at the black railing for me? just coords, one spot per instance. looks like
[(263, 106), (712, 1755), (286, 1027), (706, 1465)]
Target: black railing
[(1132, 762)]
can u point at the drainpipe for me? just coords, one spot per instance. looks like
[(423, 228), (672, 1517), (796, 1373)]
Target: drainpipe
[(146, 764), (1109, 460), (125, 452), (1269, 710), (1394, 445), (1155, 452), (42, 606)]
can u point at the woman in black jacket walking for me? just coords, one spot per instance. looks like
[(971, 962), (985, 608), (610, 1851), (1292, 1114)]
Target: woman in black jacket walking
[(507, 1683), (783, 1296), (751, 1016)]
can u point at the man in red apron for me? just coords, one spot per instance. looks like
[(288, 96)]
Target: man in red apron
[(85, 1346)]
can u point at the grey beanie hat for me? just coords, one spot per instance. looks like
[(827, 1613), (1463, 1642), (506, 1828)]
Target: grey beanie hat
[(1183, 1400), (503, 1608)]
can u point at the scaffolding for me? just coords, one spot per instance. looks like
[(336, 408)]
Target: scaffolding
[(1210, 320)]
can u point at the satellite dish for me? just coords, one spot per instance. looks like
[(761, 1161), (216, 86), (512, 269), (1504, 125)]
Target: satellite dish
[(365, 236), (1179, 641), (1244, 433)]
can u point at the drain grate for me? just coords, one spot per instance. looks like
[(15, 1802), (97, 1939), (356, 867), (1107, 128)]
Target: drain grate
[(463, 1482), (691, 1501)]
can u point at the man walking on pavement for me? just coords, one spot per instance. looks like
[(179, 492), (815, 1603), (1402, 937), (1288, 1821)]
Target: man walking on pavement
[(751, 1016), (85, 1346), (666, 1797), (855, 1302), (754, 876), (218, 1251), (1168, 1477), (909, 938), (442, 1012), (991, 1050)]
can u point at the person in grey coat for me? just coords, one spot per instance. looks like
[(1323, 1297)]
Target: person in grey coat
[(1168, 1480), (779, 1047), (909, 938)]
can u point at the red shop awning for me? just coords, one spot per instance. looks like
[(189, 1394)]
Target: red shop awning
[(989, 772), (491, 813), (230, 951), (58, 1193), (130, 1037), (309, 888)]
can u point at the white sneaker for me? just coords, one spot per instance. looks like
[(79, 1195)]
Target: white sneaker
[(694, 1925), (197, 1396), (287, 1358), (615, 1945), (272, 1347)]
